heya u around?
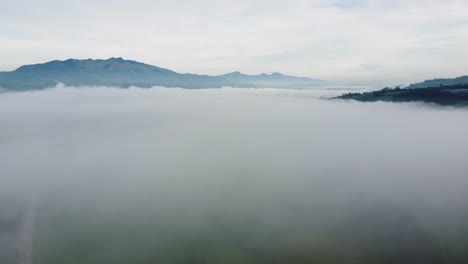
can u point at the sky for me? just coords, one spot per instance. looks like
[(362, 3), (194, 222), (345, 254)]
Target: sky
[(373, 42)]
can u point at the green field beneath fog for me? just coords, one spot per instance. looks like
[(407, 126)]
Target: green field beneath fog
[(374, 233)]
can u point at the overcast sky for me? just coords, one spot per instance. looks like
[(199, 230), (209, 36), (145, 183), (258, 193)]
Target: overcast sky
[(347, 41)]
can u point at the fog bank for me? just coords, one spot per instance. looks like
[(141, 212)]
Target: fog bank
[(264, 160)]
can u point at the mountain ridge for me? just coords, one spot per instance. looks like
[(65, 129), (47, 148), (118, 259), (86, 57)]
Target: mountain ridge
[(461, 80)]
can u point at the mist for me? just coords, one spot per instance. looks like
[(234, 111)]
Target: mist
[(235, 176)]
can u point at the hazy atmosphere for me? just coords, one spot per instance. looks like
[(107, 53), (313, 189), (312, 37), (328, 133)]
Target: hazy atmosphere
[(365, 42), (234, 132)]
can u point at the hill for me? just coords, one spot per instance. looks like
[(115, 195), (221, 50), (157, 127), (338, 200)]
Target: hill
[(455, 95)]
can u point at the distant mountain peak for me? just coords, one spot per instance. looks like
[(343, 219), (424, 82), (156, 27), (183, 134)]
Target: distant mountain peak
[(119, 59), (234, 73)]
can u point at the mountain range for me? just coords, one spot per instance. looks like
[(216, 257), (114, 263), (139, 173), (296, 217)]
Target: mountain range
[(125, 73)]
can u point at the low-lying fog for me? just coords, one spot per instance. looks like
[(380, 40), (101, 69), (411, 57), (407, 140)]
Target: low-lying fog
[(272, 175)]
